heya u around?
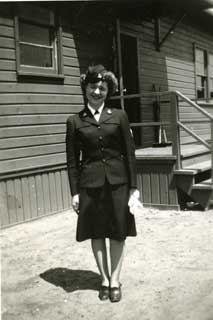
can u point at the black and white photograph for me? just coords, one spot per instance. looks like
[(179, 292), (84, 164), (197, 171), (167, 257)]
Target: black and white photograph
[(106, 160)]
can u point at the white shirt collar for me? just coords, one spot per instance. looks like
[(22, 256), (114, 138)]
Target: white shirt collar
[(100, 109)]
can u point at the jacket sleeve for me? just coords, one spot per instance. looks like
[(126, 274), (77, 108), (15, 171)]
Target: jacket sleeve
[(73, 153), (129, 147)]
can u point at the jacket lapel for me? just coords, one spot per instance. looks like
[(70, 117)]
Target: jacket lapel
[(105, 115), (87, 116)]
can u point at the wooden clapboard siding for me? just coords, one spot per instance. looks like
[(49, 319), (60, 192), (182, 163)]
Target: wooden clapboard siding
[(174, 74), (7, 43), (208, 107), (69, 52), (6, 31), (48, 109), (14, 165), (12, 142), (35, 98), (71, 80), (188, 113), (32, 126), (17, 153), (156, 184), (24, 131), (29, 197), (7, 76), (192, 116), (68, 42), (25, 120), (7, 65), (31, 88), (5, 20), (7, 54)]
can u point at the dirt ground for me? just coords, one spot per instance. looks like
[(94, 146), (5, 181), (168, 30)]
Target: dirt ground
[(167, 272)]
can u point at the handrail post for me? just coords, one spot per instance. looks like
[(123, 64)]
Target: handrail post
[(175, 129)]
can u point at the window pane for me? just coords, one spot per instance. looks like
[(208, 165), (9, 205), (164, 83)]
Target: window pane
[(200, 93), (34, 34), (199, 81), (201, 87), (36, 56), (200, 69), (204, 82), (199, 54)]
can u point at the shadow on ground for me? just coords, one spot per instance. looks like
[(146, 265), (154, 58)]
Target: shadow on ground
[(72, 280)]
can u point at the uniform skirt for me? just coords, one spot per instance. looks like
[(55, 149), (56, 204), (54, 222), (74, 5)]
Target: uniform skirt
[(104, 213)]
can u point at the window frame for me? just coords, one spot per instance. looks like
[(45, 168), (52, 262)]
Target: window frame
[(210, 77), (206, 52), (33, 71)]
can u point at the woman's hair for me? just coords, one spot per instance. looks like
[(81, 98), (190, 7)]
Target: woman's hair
[(99, 73)]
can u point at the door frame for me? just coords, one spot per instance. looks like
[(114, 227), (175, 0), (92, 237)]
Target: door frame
[(120, 30)]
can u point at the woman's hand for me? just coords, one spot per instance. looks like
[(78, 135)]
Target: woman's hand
[(75, 203), (134, 202), (135, 193)]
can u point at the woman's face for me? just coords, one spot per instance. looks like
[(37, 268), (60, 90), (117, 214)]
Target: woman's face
[(96, 93)]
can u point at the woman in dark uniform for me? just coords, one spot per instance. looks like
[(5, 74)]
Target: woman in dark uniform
[(102, 176)]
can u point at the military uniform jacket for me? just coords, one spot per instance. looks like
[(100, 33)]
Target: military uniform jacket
[(100, 150)]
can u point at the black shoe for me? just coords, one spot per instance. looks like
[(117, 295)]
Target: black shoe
[(115, 294), (104, 293)]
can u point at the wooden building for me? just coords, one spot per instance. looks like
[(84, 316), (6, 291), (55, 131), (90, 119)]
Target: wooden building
[(162, 53)]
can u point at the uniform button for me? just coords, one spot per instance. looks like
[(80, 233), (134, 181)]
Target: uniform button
[(100, 138), (99, 127), (102, 149), (103, 160)]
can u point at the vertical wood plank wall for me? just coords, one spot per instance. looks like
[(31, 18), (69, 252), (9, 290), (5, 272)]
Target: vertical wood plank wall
[(32, 196), (156, 182), (29, 197)]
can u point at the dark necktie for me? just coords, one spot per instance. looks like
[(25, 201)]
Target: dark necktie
[(96, 112)]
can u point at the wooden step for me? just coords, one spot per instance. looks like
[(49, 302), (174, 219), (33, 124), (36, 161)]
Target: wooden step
[(204, 185), (192, 150), (193, 181), (185, 172), (194, 168), (191, 161), (186, 177), (202, 193), (199, 167)]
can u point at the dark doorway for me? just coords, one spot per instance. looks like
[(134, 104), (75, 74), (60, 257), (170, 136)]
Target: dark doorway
[(129, 60)]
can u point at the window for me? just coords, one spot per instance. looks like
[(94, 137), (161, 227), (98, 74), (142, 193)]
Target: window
[(38, 41), (204, 73)]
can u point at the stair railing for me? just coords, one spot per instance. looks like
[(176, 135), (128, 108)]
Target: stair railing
[(177, 124)]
